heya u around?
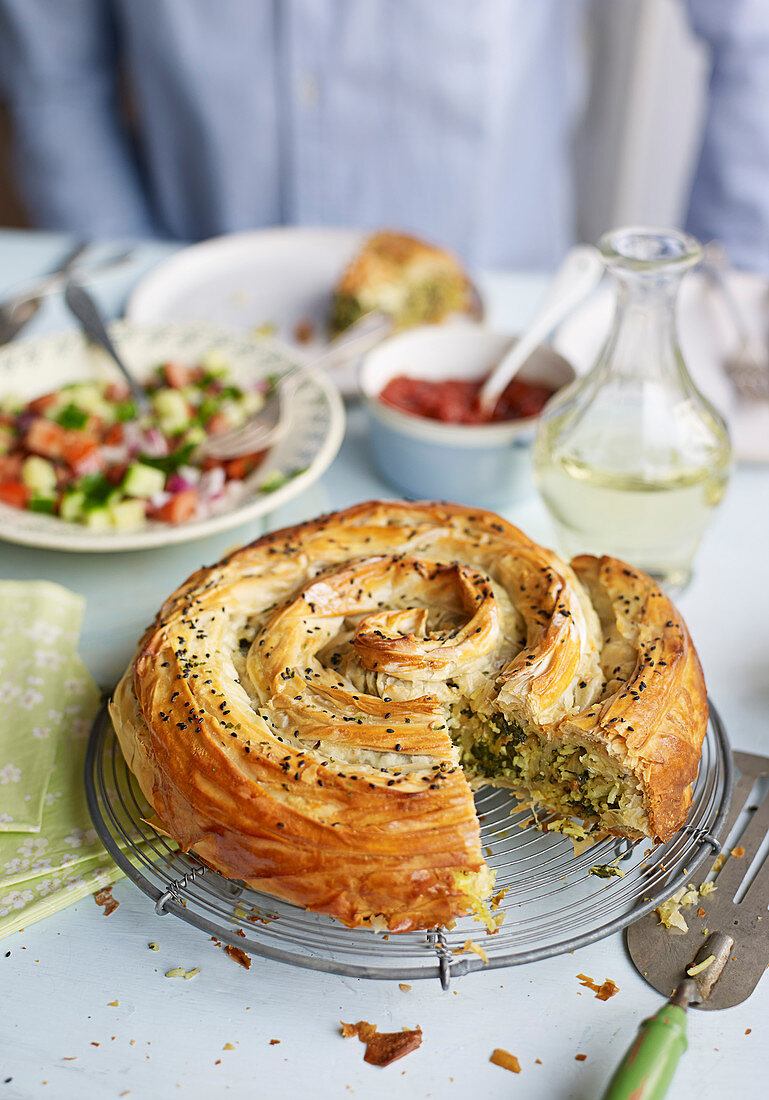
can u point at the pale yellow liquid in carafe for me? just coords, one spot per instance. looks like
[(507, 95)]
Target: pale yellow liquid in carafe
[(653, 524)]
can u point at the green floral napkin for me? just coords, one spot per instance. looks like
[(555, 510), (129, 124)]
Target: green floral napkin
[(50, 855), (39, 629)]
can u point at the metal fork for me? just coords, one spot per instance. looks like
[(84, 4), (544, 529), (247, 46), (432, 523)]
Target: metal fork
[(18, 311), (748, 367), (268, 425)]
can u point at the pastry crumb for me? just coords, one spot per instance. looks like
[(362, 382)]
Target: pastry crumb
[(738, 852), (383, 1048), (474, 948), (104, 897), (228, 1046), (274, 1042), (153, 946), (580, 1057), (113, 1004), (239, 955), (602, 992), (505, 1060), (404, 987)]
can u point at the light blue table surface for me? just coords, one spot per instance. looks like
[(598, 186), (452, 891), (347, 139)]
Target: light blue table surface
[(62, 973)]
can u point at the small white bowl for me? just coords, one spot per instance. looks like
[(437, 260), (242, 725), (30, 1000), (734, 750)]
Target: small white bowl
[(483, 464)]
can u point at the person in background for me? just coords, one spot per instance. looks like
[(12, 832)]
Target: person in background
[(189, 118)]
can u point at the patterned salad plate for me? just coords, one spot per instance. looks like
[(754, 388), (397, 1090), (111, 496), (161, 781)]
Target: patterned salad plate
[(31, 368)]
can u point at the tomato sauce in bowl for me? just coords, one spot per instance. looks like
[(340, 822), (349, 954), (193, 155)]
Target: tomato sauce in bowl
[(456, 400)]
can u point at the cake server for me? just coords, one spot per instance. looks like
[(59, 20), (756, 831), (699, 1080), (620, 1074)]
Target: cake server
[(728, 966)]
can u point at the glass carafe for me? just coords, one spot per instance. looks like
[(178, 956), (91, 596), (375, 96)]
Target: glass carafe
[(631, 460)]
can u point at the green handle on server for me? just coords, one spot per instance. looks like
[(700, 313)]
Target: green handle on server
[(648, 1067)]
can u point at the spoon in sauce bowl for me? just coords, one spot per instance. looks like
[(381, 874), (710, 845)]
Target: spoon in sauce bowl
[(579, 273)]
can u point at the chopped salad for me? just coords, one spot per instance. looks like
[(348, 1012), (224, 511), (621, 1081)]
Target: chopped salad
[(85, 454)]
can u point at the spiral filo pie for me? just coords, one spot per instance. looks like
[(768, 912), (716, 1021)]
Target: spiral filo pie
[(311, 714)]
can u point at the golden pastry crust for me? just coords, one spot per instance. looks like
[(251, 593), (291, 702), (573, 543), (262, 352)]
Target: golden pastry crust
[(653, 713), (290, 713)]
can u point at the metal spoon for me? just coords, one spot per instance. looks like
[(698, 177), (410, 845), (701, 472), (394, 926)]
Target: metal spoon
[(579, 273), (82, 305)]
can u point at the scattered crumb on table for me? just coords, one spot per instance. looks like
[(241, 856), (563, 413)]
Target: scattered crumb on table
[(383, 1048), (104, 897), (239, 955), (505, 1060), (602, 992)]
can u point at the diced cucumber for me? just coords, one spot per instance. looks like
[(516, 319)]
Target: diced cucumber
[(172, 411), (214, 364), (127, 514), (39, 475), (72, 505), (273, 481), (234, 413), (98, 519), (193, 394), (143, 481), (194, 435), (251, 402)]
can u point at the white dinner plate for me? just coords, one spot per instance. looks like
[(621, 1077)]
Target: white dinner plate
[(314, 435), (278, 277)]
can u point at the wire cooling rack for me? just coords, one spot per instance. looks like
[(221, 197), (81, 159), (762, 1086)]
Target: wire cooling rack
[(553, 904)]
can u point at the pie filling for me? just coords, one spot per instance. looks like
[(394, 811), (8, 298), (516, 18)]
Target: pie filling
[(430, 299), (568, 778)]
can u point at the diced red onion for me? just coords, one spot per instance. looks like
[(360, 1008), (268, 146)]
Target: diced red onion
[(191, 474), (154, 443), (212, 481), (132, 436), (177, 484), (157, 500)]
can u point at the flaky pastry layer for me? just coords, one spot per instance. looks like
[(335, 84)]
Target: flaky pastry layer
[(306, 714)]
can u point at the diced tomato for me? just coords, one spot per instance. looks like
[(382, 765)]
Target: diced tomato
[(41, 404), (10, 467), (14, 493), (217, 424), (210, 463), (115, 474), (240, 467), (113, 436), (117, 391), (179, 508), (83, 453), (45, 437), (176, 375)]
